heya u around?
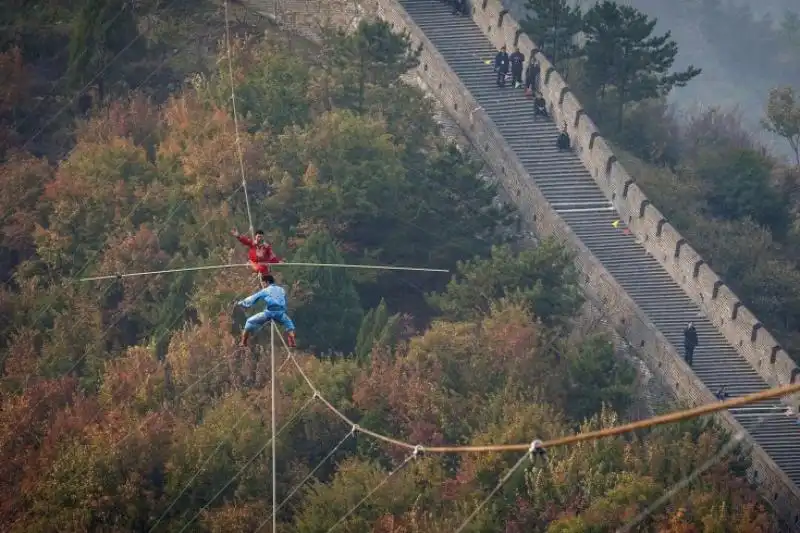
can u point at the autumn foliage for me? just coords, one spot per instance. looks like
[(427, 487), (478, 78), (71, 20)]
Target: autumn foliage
[(127, 406)]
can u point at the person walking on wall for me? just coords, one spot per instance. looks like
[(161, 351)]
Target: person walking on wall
[(532, 76), (517, 60), (690, 342), (501, 66), (562, 141)]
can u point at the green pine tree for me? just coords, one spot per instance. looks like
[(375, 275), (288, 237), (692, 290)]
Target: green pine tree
[(598, 377), (330, 319), (372, 55), (103, 32), (625, 59), (553, 26), (377, 329), (543, 279)]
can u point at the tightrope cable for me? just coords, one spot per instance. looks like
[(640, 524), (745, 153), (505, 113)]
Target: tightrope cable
[(374, 490), (305, 479), (341, 415), (734, 441), (676, 416), (236, 119), (272, 397), (141, 200), (242, 265), (49, 306), (247, 464), (202, 466), (533, 448)]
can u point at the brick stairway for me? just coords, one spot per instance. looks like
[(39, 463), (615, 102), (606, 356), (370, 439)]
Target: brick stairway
[(569, 188)]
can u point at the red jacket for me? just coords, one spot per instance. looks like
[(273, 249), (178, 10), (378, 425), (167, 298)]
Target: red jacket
[(259, 254)]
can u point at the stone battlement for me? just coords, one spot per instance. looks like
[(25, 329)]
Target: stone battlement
[(738, 325), (727, 312)]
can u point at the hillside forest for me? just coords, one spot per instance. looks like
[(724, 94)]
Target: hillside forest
[(126, 403)]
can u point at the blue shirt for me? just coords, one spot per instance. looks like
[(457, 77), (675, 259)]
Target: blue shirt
[(274, 298)]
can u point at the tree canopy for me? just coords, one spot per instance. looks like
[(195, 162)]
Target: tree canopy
[(783, 117), (126, 404), (623, 55), (553, 25)]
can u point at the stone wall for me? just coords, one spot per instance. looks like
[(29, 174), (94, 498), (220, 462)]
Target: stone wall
[(661, 240), (652, 397), (737, 323)]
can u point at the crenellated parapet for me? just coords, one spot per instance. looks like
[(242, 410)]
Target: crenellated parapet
[(660, 239)]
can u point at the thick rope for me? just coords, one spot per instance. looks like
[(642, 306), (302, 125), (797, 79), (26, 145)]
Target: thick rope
[(341, 415), (669, 418)]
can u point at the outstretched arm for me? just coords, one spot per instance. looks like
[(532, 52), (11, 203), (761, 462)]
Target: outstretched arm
[(253, 298), (244, 239)]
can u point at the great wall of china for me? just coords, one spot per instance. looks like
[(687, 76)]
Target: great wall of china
[(649, 283)]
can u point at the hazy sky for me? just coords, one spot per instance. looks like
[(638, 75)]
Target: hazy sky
[(718, 85)]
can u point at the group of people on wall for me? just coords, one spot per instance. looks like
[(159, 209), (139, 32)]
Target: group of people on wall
[(510, 68)]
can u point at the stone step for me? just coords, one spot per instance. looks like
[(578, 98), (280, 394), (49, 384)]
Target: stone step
[(562, 178)]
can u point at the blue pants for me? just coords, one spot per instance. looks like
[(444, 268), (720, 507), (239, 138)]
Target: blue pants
[(259, 319)]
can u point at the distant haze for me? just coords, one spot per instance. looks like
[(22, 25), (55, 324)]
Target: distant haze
[(718, 85)]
